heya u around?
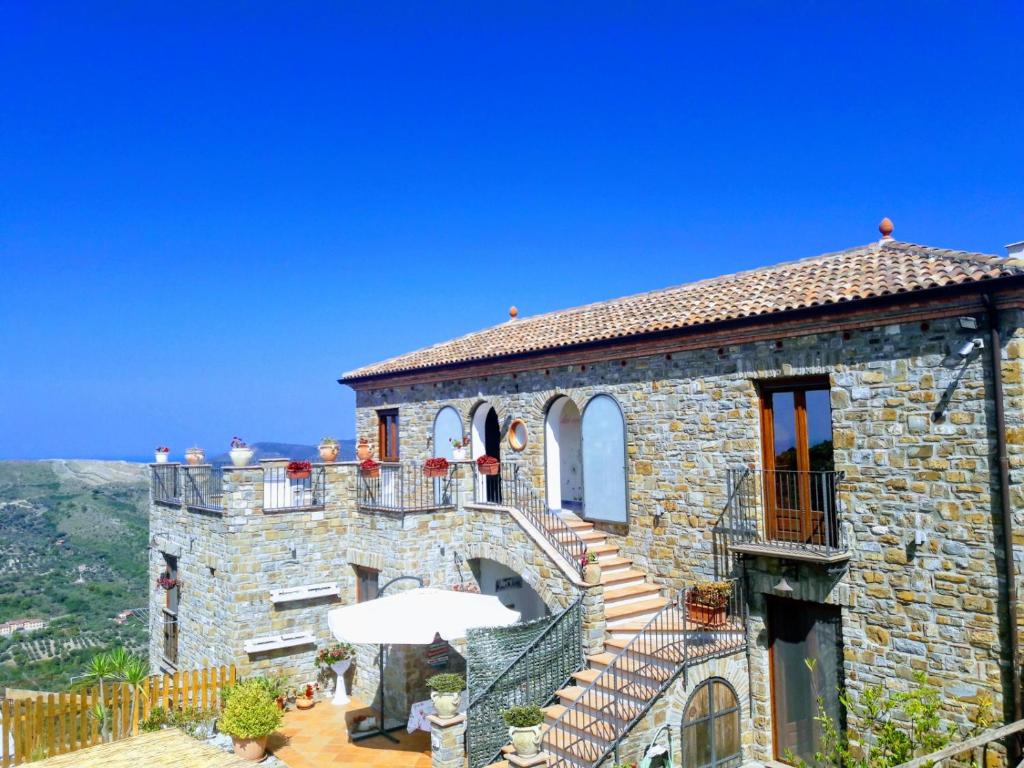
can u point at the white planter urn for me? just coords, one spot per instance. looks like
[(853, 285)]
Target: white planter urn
[(340, 694), (446, 704), (161, 457), (458, 454), (525, 740), (240, 457)]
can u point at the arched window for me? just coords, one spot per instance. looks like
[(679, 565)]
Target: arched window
[(711, 727), (447, 427), (604, 460)]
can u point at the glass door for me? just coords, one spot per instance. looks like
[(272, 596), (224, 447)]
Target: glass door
[(604, 460)]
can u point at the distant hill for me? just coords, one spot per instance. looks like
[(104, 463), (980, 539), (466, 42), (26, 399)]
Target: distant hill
[(287, 451), (74, 535)]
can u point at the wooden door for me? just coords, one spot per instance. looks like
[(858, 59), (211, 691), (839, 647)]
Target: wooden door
[(799, 492), (806, 658)]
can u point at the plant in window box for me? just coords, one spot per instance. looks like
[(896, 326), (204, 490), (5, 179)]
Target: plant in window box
[(339, 658), (299, 470), (435, 467), (240, 453), (162, 452), (446, 693), (488, 465), (363, 451), (591, 569), (459, 447), (707, 604), (329, 448), (370, 468), (524, 726)]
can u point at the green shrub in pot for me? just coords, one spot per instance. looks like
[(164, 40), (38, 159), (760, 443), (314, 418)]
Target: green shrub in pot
[(446, 691), (250, 715), (524, 727)]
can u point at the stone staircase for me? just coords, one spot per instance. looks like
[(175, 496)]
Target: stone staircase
[(631, 600)]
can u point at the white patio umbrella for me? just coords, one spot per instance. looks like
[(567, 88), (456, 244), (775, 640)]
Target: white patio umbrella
[(415, 617)]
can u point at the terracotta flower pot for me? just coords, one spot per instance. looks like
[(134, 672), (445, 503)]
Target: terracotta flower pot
[(299, 474), (303, 703), (375, 472), (706, 615), (489, 469), (194, 456), (329, 452), (363, 451), (250, 749), (434, 472)]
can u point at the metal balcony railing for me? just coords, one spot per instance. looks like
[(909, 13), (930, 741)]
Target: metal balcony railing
[(511, 487), (164, 482), (785, 510), (202, 486), (402, 486), (282, 491)]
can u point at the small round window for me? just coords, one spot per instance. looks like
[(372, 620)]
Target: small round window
[(517, 435), (711, 727)]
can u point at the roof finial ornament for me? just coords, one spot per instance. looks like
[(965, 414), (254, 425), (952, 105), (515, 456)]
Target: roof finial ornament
[(885, 227), (513, 313)]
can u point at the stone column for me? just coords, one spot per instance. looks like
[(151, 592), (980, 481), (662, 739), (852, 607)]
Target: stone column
[(447, 741), (594, 622), (243, 490)]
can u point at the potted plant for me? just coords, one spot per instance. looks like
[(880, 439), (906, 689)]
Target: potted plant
[(299, 470), (161, 454), (707, 603), (164, 581), (459, 447), (446, 693), (339, 658), (591, 569), (195, 455), (488, 465), (363, 449), (305, 699), (329, 448), (370, 468), (241, 453), (435, 467), (524, 724), (250, 715)]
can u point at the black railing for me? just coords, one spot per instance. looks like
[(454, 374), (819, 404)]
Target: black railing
[(406, 486), (164, 482), (532, 678), (511, 487), (786, 509), (202, 486), (284, 490), (685, 632)]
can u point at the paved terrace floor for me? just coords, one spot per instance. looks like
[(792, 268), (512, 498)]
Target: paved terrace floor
[(318, 738), (170, 748)]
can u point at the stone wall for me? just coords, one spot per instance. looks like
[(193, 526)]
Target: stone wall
[(692, 415)]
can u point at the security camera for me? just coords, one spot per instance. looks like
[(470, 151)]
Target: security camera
[(967, 348)]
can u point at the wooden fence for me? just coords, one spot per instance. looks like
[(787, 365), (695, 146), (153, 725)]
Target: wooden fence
[(57, 723)]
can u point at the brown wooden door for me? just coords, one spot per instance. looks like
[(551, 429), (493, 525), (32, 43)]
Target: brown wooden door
[(387, 435), (806, 655), (799, 493)]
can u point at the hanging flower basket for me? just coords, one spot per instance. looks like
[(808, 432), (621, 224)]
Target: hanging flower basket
[(488, 465), (370, 468), (436, 467), (166, 582), (299, 470), (708, 604)]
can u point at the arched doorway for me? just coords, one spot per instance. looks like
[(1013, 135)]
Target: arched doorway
[(603, 431), (486, 440), (509, 587), (711, 727), (563, 455), (447, 427)]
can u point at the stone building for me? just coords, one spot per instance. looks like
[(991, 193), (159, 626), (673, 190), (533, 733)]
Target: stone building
[(836, 439)]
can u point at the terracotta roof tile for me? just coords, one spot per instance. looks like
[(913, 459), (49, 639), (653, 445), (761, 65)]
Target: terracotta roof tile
[(882, 268)]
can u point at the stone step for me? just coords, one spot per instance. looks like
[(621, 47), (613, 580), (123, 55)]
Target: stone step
[(579, 747), (582, 720), (576, 524), (640, 688), (649, 665), (604, 550), (632, 611), (598, 702), (622, 577), (614, 564), (668, 654), (587, 537), (630, 593)]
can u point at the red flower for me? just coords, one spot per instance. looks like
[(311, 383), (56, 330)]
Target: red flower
[(436, 463), (300, 466), (485, 460), (369, 465)]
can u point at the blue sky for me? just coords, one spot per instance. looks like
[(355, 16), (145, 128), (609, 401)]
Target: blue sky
[(210, 211)]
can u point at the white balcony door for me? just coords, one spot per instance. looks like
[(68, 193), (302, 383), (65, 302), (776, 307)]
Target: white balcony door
[(604, 460)]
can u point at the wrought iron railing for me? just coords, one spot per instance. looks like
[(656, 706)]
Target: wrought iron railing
[(164, 482), (406, 487), (202, 486), (532, 678), (511, 487), (284, 490), (682, 634), (786, 509)]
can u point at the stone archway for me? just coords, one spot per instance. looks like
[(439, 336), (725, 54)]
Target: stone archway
[(553, 596), (563, 455)]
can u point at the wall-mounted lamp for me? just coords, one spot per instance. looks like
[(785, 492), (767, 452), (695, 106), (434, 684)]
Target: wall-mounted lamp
[(783, 587)]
